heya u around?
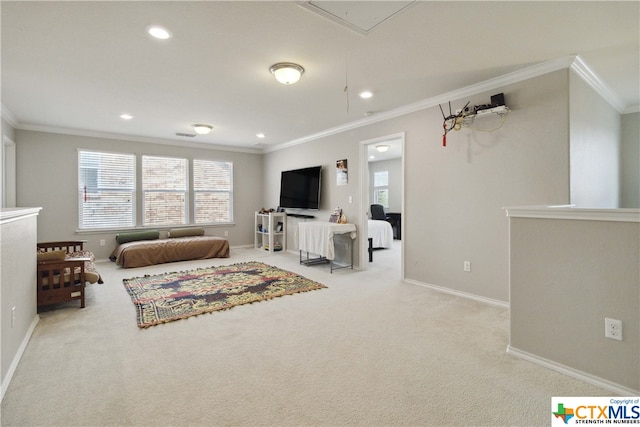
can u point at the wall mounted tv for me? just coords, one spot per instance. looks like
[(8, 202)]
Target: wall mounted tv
[(300, 188)]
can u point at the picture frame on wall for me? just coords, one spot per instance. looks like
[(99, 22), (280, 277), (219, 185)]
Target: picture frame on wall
[(342, 173)]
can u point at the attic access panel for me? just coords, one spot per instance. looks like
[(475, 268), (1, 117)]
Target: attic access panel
[(358, 16)]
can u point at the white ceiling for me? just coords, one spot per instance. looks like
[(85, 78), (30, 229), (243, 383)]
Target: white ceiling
[(76, 66)]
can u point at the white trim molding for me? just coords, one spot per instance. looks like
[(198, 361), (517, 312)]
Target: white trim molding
[(16, 360), (573, 62), (572, 212), (9, 116), (14, 214), (484, 300), (570, 372), (596, 83)]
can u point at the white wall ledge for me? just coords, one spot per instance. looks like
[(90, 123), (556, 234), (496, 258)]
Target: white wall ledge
[(12, 214), (573, 212)]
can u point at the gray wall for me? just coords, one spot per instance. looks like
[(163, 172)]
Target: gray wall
[(566, 277), (595, 148), (630, 161), (18, 279), (7, 165), (48, 176), (323, 153), (394, 167), (454, 196)]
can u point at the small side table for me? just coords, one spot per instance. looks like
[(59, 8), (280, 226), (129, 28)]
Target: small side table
[(318, 238)]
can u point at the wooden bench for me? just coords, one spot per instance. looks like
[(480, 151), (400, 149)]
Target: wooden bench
[(63, 269)]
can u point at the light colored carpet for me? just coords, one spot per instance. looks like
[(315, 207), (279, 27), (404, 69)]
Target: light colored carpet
[(369, 350)]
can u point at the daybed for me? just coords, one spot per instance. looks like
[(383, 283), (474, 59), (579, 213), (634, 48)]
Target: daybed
[(140, 249), (62, 271)]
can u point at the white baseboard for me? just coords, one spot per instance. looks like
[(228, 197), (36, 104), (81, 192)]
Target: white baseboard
[(450, 291), (241, 247), (574, 373), (18, 356)]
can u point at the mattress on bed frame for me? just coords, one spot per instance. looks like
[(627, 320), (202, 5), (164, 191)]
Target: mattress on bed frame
[(381, 233)]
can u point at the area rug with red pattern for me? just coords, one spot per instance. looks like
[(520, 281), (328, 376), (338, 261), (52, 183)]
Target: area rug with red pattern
[(171, 296)]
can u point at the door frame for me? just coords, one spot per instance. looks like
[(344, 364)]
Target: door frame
[(8, 173), (364, 197)]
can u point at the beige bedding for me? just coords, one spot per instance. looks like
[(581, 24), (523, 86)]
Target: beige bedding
[(151, 252)]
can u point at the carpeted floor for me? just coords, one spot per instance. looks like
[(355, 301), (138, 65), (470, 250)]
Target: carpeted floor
[(369, 350)]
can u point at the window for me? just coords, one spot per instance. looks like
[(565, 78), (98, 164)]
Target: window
[(212, 185), (165, 190), (168, 195), (106, 190), (381, 188)]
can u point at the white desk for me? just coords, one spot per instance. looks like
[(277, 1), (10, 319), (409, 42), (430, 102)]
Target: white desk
[(317, 238)]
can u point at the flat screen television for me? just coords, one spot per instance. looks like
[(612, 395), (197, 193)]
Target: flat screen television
[(300, 188)]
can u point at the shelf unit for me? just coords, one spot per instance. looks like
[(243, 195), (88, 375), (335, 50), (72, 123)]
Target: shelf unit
[(271, 231)]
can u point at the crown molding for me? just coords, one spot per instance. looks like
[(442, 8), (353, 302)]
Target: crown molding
[(592, 79), (573, 62), (122, 137), (9, 116), (526, 73)]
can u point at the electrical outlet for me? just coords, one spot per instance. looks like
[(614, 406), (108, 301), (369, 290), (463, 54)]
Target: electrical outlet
[(226, 233), (613, 329), (467, 266), (102, 242)]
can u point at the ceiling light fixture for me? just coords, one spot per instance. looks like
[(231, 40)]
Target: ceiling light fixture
[(260, 135), (126, 116), (202, 129), (159, 32), (287, 72), (382, 148), (366, 94)]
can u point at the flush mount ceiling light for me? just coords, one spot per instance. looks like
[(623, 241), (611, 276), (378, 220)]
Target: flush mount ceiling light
[(202, 129), (158, 32), (382, 148), (125, 116), (287, 72), (366, 94)]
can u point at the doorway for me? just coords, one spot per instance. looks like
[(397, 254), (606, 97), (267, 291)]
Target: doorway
[(8, 171), (389, 152)]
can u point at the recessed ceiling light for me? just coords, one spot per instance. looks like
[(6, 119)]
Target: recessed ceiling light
[(126, 116), (260, 135), (159, 32), (366, 94), (382, 148)]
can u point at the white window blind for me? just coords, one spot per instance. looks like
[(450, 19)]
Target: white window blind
[(381, 197), (106, 190), (165, 184), (212, 188), (381, 179), (381, 188)]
